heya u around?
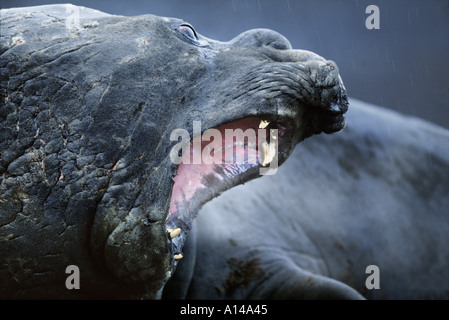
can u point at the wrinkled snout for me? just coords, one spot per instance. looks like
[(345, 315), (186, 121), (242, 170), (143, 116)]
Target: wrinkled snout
[(310, 84), (319, 82), (324, 73)]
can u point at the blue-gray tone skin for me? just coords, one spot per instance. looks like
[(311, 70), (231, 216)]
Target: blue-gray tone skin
[(374, 194), (87, 108)]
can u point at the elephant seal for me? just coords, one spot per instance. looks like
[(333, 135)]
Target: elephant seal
[(89, 102), (339, 207)]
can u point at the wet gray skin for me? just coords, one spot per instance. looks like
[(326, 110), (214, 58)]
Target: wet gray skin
[(86, 115)]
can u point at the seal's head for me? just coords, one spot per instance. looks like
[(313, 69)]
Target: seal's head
[(116, 96), (255, 81)]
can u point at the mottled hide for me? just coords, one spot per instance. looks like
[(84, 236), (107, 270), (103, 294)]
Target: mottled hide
[(88, 102)]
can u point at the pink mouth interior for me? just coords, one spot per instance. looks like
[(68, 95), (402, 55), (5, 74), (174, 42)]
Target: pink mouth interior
[(189, 179), (197, 183)]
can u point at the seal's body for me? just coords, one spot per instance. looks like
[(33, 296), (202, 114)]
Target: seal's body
[(88, 105)]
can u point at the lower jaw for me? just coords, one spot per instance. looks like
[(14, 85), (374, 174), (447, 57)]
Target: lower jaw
[(180, 222), (336, 125), (197, 184), (213, 179)]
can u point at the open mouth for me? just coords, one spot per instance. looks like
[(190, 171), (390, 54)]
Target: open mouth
[(215, 161), (239, 151)]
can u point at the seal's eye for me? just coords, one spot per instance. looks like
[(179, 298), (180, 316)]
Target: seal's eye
[(188, 31)]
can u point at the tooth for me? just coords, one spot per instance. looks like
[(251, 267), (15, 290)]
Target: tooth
[(269, 150), (174, 232), (263, 124), (177, 256)]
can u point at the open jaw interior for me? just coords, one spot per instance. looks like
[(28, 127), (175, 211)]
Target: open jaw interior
[(216, 161)]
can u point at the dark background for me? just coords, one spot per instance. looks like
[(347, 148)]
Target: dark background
[(404, 65)]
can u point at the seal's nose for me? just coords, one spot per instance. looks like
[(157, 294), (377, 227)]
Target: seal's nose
[(314, 80), (324, 73)]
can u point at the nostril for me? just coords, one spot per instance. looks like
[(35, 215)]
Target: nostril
[(329, 66), (332, 65), (325, 74)]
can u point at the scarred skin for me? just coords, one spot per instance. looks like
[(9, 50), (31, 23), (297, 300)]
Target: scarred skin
[(85, 119)]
